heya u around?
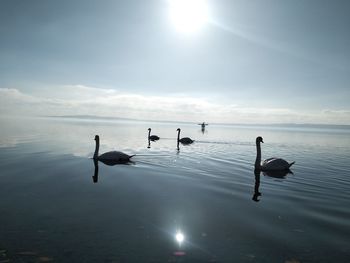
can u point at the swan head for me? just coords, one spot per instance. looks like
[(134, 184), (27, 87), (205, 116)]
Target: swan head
[(97, 138), (259, 139), (178, 129), (149, 129)]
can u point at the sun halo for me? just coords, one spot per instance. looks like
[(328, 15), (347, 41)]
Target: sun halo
[(188, 16)]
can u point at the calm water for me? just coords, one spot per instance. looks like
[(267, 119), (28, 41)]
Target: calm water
[(53, 211)]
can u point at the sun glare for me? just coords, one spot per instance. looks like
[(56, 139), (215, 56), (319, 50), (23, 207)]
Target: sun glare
[(188, 15), (179, 237)]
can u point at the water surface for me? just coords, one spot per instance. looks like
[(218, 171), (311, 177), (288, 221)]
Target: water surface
[(57, 206)]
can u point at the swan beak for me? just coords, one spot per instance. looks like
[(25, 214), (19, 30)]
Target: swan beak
[(262, 141)]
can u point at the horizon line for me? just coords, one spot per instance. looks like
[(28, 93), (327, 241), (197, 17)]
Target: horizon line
[(192, 122)]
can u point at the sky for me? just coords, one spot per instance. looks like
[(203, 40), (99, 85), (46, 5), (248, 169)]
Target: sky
[(246, 61)]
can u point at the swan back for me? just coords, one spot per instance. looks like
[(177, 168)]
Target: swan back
[(273, 164), (185, 140), (154, 138), (112, 157)]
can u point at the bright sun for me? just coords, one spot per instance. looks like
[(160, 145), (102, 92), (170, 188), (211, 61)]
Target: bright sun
[(188, 15)]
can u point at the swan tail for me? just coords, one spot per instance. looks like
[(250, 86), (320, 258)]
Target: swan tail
[(291, 164)]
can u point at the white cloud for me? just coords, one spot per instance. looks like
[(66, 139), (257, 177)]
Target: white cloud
[(83, 100)]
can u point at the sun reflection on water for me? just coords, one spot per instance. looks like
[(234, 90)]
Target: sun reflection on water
[(179, 237)]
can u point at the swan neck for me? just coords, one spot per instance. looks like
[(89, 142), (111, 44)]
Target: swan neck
[(258, 156), (149, 133), (96, 149), (178, 135)]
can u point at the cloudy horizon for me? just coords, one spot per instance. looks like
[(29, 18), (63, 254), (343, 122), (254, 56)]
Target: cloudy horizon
[(81, 100), (239, 62)]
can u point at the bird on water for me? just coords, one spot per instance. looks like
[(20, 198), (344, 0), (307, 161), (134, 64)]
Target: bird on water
[(271, 164), (184, 140), (112, 157), (152, 137)]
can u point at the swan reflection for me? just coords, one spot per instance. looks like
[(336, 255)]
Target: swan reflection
[(274, 174), (95, 176), (256, 186), (149, 143), (109, 162), (179, 238)]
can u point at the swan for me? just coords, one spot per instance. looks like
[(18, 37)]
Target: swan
[(110, 158), (271, 164), (152, 137), (184, 140)]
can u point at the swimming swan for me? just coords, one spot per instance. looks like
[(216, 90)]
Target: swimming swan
[(152, 137), (271, 164), (184, 140), (110, 158)]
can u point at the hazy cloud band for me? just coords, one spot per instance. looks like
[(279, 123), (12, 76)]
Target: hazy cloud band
[(83, 100)]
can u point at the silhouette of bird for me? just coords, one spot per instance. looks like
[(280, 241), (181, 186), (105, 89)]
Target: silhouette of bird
[(152, 137), (184, 140), (112, 157), (271, 164)]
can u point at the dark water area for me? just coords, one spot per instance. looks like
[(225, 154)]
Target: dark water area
[(56, 206)]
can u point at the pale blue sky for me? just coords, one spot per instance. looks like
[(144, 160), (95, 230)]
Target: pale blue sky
[(291, 58)]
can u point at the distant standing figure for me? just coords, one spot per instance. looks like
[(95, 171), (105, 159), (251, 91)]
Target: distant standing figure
[(203, 126)]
